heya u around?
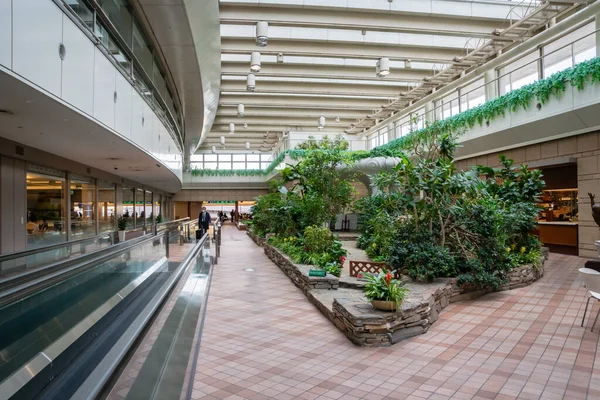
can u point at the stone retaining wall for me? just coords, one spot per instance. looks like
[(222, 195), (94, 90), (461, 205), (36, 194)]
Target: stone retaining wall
[(255, 238), (299, 273), (368, 327)]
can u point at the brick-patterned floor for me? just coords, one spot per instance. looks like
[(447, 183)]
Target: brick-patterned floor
[(263, 339)]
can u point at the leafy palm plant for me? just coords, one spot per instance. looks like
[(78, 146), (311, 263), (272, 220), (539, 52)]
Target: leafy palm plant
[(384, 287)]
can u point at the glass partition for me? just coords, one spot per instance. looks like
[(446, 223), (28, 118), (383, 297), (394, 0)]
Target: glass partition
[(128, 207), (46, 198), (140, 215), (157, 209), (106, 206), (148, 208), (83, 213)]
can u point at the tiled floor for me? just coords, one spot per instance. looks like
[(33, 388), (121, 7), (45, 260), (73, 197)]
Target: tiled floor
[(263, 339)]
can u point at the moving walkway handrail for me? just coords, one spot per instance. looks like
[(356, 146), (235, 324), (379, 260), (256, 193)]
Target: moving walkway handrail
[(20, 285), (37, 250)]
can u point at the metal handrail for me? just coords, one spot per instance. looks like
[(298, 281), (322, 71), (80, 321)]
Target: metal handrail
[(26, 253), (22, 376)]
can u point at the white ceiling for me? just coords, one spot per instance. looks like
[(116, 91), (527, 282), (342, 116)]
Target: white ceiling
[(330, 49)]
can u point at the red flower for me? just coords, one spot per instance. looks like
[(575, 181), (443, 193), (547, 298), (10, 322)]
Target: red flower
[(388, 278), (360, 275), (342, 259)]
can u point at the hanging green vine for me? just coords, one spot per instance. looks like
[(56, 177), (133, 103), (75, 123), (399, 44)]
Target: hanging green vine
[(542, 90)]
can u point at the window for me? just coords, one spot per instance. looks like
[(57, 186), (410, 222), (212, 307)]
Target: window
[(148, 209), (83, 213), (106, 206), (519, 73), (46, 198), (140, 215), (472, 95), (128, 206), (450, 105)]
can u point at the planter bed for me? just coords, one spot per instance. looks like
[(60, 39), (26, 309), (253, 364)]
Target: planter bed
[(343, 303)]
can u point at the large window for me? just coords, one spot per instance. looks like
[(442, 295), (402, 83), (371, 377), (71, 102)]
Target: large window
[(379, 138), (148, 209), (140, 214), (128, 206), (46, 198), (106, 206), (472, 95), (83, 202), (231, 161)]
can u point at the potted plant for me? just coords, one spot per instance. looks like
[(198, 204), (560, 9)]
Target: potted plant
[(385, 292), (159, 218), (122, 225)]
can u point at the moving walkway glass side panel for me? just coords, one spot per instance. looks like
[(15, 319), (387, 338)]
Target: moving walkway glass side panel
[(42, 258), (31, 325)]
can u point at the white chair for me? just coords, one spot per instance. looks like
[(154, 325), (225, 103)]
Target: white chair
[(591, 280)]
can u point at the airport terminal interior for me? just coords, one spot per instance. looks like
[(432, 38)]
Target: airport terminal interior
[(299, 199)]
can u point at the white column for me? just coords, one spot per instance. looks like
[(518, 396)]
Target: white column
[(429, 114), (491, 85), (597, 33)]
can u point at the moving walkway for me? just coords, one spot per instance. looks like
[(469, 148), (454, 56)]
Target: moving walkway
[(67, 326)]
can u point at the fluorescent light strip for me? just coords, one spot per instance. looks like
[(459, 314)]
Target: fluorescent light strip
[(346, 35), (334, 96), (318, 80), (349, 62)]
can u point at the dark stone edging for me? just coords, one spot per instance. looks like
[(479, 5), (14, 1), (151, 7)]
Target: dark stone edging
[(299, 273), (367, 327), (255, 238)]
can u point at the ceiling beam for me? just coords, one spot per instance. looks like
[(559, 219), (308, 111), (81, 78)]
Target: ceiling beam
[(340, 50), (325, 71)]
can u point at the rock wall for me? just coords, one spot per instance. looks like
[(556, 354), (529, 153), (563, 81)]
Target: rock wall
[(255, 238), (368, 327), (299, 273)]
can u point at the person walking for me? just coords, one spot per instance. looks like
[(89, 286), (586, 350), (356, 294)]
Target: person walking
[(232, 215), (204, 221)]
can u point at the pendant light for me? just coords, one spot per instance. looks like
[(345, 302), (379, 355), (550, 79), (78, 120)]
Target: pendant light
[(222, 140), (245, 125), (240, 110), (247, 145), (262, 29), (383, 67), (251, 83), (255, 61), (231, 128), (214, 149), (321, 122)]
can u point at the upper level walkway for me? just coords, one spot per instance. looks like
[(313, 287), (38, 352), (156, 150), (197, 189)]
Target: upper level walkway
[(263, 339)]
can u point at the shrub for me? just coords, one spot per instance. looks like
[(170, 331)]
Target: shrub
[(317, 240), (384, 287)]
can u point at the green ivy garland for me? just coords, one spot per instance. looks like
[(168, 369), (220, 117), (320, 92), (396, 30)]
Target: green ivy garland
[(542, 90)]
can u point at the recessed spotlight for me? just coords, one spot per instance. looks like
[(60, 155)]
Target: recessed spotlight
[(19, 127), (28, 101)]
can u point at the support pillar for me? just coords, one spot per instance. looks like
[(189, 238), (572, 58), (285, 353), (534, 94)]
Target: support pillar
[(429, 113), (491, 85), (237, 215)]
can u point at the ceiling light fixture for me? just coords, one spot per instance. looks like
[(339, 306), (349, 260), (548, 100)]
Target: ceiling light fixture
[(251, 83), (337, 119), (262, 29), (280, 58), (247, 145), (321, 122), (407, 64), (255, 61), (222, 140), (245, 125), (382, 68), (231, 128), (214, 149), (240, 110)]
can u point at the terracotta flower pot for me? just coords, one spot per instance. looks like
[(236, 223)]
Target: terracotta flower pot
[(384, 305)]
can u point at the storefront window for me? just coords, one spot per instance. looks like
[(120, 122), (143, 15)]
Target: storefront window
[(140, 215), (128, 211), (83, 213), (157, 204), (148, 208), (46, 198), (106, 206)]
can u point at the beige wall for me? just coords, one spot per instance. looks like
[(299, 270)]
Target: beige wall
[(585, 149), (197, 195)]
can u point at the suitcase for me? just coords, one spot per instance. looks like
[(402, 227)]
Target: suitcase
[(199, 234)]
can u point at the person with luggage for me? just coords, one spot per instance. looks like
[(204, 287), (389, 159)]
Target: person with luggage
[(204, 221)]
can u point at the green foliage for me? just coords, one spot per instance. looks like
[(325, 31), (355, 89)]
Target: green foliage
[(430, 220), (317, 240), (384, 287), (122, 222), (159, 219)]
